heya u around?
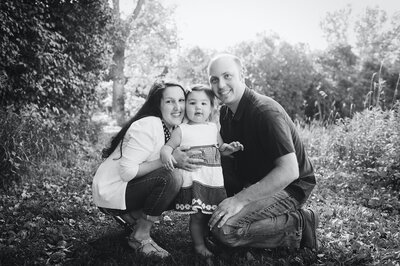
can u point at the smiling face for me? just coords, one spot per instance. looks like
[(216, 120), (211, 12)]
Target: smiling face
[(172, 106), (227, 81), (198, 107)]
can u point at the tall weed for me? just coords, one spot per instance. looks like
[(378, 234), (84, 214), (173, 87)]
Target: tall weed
[(316, 138), (371, 139), (34, 136), (368, 143)]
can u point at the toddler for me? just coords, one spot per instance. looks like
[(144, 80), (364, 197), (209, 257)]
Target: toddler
[(202, 189)]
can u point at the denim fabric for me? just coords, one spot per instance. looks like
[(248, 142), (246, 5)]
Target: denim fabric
[(153, 193), (267, 223)]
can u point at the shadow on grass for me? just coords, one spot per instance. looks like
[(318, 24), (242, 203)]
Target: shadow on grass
[(110, 248)]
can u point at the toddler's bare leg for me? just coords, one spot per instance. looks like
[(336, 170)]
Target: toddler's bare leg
[(198, 231)]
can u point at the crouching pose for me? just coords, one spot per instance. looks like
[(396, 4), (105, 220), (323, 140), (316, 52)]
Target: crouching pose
[(131, 182), (269, 181)]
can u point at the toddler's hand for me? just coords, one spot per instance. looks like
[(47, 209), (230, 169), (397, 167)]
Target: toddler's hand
[(236, 146), (169, 164)]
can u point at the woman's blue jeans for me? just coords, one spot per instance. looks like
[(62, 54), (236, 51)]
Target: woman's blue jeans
[(267, 223), (153, 193)]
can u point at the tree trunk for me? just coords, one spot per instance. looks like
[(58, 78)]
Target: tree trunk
[(118, 103)]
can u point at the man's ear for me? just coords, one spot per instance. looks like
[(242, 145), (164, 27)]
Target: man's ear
[(248, 83), (241, 75)]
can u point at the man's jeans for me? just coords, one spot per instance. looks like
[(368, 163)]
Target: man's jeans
[(267, 223)]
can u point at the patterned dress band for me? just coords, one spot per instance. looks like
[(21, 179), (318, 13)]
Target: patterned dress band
[(209, 153)]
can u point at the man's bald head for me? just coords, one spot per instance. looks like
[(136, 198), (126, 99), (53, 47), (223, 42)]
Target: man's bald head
[(234, 58)]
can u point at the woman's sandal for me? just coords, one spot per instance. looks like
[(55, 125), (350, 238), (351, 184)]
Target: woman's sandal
[(147, 247)]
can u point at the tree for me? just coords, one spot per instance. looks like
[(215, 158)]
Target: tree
[(191, 66), (142, 45), (338, 67), (335, 27), (52, 53), (150, 48), (120, 34), (378, 43), (279, 70), (354, 73), (372, 42)]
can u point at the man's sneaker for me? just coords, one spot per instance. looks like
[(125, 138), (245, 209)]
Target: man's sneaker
[(309, 234)]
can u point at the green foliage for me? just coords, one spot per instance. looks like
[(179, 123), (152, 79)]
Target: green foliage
[(376, 33), (52, 55), (337, 91), (29, 138), (51, 52), (52, 220), (382, 84), (377, 36), (369, 143), (280, 70), (349, 72), (143, 44), (370, 140), (192, 66), (335, 26), (151, 47), (359, 221), (50, 217)]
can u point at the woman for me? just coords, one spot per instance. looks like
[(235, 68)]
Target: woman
[(132, 177)]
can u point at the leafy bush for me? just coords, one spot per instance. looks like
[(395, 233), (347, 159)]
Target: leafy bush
[(370, 140), (368, 143), (34, 136), (52, 53), (316, 138)]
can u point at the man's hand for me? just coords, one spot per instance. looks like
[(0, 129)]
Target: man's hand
[(225, 210), (182, 157)]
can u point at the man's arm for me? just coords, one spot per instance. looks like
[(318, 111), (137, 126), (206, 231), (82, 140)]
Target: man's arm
[(286, 170)]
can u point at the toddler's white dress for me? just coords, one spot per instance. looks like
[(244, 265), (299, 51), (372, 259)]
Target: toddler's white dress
[(202, 189)]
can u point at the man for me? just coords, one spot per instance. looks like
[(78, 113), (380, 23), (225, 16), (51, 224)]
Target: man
[(268, 182)]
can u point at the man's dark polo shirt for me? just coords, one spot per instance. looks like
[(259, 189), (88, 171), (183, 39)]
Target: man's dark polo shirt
[(267, 133)]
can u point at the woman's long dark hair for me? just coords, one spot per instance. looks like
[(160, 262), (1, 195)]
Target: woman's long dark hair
[(151, 107)]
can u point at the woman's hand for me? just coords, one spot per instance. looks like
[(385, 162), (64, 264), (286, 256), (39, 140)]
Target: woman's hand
[(183, 158), (166, 157)]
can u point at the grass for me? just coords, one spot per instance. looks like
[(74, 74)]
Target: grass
[(49, 217)]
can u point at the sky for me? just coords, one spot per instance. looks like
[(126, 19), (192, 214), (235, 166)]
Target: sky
[(218, 24)]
